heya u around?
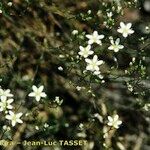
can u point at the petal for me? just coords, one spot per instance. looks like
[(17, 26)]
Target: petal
[(129, 25), (117, 41), (34, 88), (125, 35), (97, 72), (131, 31), (116, 117), (112, 42), (122, 24), (11, 113), (19, 115), (8, 117), (121, 46), (38, 98), (111, 47), (109, 123), (10, 107), (116, 49), (89, 36), (90, 41), (81, 48), (88, 60), (120, 30), (95, 33), (99, 42), (43, 94), (96, 68), (40, 89), (110, 118), (101, 36), (91, 52), (85, 56), (13, 123), (7, 91), (88, 47), (10, 95), (19, 121), (80, 53), (116, 126), (95, 58), (119, 122), (3, 99), (32, 94), (100, 62), (88, 67), (9, 101)]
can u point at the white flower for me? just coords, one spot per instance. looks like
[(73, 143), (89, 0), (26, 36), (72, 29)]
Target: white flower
[(92, 64), (37, 92), (130, 87), (9, 4), (46, 125), (58, 100), (95, 38), (85, 51), (99, 13), (105, 131), (15, 118), (146, 107), (99, 117), (125, 29), (114, 121), (6, 104), (61, 56), (60, 68), (81, 126), (78, 88), (4, 94), (74, 32), (89, 12), (109, 14), (97, 72), (81, 134), (6, 128), (115, 45), (37, 128)]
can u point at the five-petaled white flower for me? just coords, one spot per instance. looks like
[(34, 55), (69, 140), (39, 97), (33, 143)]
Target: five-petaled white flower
[(14, 118), (125, 29), (115, 45), (92, 64), (4, 94), (6, 104), (37, 92), (85, 51), (114, 121), (95, 38)]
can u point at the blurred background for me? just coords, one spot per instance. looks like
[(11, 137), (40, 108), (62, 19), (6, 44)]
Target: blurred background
[(38, 47)]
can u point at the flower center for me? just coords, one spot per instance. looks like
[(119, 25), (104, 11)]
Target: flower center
[(14, 118), (93, 64), (38, 93), (125, 30), (85, 52)]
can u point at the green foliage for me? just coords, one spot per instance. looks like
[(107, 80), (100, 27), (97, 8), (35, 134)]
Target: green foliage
[(40, 41)]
